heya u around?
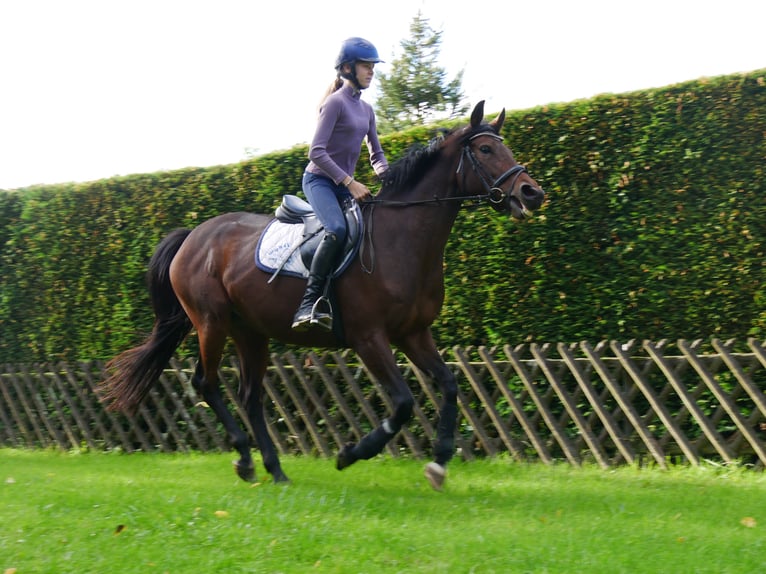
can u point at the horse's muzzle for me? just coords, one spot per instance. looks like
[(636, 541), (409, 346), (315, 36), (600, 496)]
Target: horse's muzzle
[(528, 199)]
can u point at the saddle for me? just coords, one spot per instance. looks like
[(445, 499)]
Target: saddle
[(288, 243)]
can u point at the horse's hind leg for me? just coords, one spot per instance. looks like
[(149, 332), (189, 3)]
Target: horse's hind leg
[(206, 383), (253, 359)]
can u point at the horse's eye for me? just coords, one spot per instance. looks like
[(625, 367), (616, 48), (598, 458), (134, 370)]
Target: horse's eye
[(485, 149)]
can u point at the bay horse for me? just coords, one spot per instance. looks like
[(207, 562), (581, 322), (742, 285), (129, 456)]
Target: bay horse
[(205, 279)]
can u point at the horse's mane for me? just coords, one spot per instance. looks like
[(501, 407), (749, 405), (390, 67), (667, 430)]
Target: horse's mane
[(419, 158), (411, 167)]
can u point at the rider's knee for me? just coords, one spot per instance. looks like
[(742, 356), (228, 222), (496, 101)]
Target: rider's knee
[(335, 233)]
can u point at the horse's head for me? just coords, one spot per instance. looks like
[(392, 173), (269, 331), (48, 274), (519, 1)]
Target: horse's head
[(486, 158)]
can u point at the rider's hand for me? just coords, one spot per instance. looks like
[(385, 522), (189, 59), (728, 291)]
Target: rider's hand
[(359, 191)]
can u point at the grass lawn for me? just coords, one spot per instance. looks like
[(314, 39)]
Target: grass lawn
[(147, 513)]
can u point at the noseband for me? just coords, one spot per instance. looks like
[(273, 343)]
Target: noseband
[(494, 193)]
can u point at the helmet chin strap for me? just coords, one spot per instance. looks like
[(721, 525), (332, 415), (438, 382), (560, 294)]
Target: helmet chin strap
[(352, 76)]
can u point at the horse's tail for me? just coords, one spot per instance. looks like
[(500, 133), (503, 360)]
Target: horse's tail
[(133, 372)]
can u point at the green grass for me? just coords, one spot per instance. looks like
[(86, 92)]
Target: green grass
[(111, 513)]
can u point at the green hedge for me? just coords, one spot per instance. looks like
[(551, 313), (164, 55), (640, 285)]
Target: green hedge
[(654, 229)]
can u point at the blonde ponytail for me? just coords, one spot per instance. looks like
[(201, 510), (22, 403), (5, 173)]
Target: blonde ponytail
[(336, 85)]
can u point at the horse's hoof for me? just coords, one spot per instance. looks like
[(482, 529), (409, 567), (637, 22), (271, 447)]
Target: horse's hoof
[(244, 471), (435, 473), (346, 456), (281, 478)]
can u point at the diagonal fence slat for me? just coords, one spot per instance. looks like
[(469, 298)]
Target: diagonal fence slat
[(72, 406), (318, 413), (517, 409), (13, 398), (37, 389), (575, 415), (609, 403), (541, 403), (747, 383), (656, 404), (610, 425), (690, 404), (724, 399), (345, 411), (296, 418), (628, 409), (67, 429), (483, 395), (79, 381)]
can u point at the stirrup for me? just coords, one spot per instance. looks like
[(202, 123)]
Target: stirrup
[(321, 313)]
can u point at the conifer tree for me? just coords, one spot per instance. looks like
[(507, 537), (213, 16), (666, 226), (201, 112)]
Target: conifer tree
[(417, 91)]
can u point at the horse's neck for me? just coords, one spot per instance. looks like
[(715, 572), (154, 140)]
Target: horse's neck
[(421, 227)]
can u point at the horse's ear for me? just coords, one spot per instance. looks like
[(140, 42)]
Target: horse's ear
[(477, 115), (497, 123)]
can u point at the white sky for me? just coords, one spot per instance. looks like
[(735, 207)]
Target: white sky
[(95, 88)]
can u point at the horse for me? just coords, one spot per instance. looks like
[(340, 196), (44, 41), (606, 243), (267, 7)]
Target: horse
[(205, 279)]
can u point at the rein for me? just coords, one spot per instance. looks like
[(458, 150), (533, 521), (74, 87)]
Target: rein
[(494, 194)]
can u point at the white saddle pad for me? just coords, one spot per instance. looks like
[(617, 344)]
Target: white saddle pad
[(278, 249)]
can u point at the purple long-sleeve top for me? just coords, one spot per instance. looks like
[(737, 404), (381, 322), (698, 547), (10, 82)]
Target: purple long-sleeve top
[(345, 120)]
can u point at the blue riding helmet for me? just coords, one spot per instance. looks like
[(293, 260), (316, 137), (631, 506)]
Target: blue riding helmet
[(356, 50)]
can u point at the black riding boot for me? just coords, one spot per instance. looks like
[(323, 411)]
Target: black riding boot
[(309, 313)]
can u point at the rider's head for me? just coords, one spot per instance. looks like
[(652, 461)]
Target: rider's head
[(353, 51)]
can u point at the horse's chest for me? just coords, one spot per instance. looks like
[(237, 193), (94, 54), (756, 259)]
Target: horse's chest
[(423, 305)]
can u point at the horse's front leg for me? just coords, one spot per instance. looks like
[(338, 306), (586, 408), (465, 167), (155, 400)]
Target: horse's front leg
[(381, 363), (444, 445), (422, 351)]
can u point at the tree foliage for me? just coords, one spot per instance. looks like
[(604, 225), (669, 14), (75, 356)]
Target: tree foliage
[(417, 90)]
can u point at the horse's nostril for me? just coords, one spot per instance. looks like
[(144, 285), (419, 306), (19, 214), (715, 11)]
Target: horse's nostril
[(532, 194)]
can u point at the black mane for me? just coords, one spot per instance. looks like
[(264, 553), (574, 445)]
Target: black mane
[(411, 167), (405, 172)]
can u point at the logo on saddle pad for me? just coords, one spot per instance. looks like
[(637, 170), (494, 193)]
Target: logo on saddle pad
[(287, 245)]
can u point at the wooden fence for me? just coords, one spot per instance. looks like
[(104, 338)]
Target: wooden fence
[(612, 403)]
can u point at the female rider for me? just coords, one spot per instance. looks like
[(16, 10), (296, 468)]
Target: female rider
[(345, 120)]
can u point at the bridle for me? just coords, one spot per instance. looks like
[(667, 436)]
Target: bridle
[(494, 194)]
